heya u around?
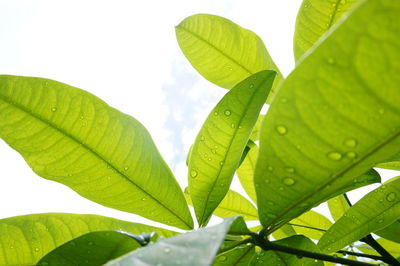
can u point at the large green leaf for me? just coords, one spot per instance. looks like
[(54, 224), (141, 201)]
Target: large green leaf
[(279, 258), (310, 220), (233, 204), (195, 248), (70, 136), (219, 145), (26, 239), (316, 17), (245, 172), (374, 211), (240, 256), (391, 232), (335, 116), (91, 249), (338, 206), (222, 51)]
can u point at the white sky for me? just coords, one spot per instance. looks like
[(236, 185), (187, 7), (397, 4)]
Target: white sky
[(124, 52)]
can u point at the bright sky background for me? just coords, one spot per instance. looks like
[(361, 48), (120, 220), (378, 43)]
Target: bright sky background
[(124, 52)]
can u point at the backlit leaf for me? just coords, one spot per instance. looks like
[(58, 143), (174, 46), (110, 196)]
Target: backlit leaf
[(310, 220), (240, 256), (245, 173), (374, 211), (26, 239), (334, 117), (338, 206), (70, 136), (220, 143)]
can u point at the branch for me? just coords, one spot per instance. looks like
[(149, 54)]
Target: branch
[(244, 241), (357, 254), (308, 227), (386, 256), (267, 245)]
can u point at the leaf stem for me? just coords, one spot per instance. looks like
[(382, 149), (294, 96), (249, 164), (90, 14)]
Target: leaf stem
[(267, 245), (386, 256), (244, 241), (308, 227)]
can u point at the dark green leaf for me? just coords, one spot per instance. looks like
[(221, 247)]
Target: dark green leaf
[(240, 256)]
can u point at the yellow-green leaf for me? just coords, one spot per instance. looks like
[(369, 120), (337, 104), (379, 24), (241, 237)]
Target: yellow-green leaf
[(374, 211), (334, 117), (245, 172), (70, 136), (338, 206), (308, 224), (315, 18), (26, 239), (222, 51), (219, 145)]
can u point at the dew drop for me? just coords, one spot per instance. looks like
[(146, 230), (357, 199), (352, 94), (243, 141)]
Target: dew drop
[(11, 247), (351, 154), (53, 109), (282, 130), (239, 127), (391, 196), (288, 181), (215, 113), (222, 258), (167, 250), (333, 4), (193, 173), (37, 249), (221, 163), (270, 168), (214, 151), (351, 143), (380, 221), (126, 168), (202, 138), (81, 117), (290, 170), (209, 159), (331, 60), (334, 155), (232, 125), (143, 199), (90, 243), (227, 112), (251, 86), (381, 111)]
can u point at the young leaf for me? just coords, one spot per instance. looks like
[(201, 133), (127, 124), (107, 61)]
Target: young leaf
[(220, 143), (279, 258), (374, 211), (283, 232), (26, 239), (222, 51), (310, 220), (91, 249), (233, 204), (70, 136), (196, 248), (316, 17), (335, 116), (245, 173), (338, 206), (240, 256)]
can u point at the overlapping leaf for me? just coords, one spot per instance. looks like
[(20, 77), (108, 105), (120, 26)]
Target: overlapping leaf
[(338, 206), (246, 170), (316, 17), (219, 145), (308, 224), (334, 117), (26, 239), (374, 211), (222, 51), (197, 248), (70, 136), (91, 249), (240, 256)]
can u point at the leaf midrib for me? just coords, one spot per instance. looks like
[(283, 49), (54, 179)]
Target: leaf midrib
[(215, 48), (230, 144), (339, 174), (84, 145)]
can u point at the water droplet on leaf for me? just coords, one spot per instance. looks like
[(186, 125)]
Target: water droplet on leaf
[(215, 113), (380, 221), (391, 196), (232, 125), (90, 243), (193, 173), (351, 154), (334, 155), (290, 170), (351, 143), (227, 112), (288, 181), (331, 60), (222, 258), (270, 168), (53, 109), (282, 130)]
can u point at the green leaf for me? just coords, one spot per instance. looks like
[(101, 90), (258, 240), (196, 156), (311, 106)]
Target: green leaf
[(338, 206), (279, 258), (70, 136), (309, 220), (374, 211), (315, 18), (26, 239), (233, 204), (240, 256), (220, 143), (335, 116), (283, 232), (255, 134), (222, 51), (390, 165), (195, 248), (392, 247), (245, 173), (391, 232), (91, 249)]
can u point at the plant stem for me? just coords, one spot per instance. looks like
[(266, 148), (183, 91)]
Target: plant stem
[(308, 227), (267, 245), (357, 254), (244, 241), (386, 256)]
